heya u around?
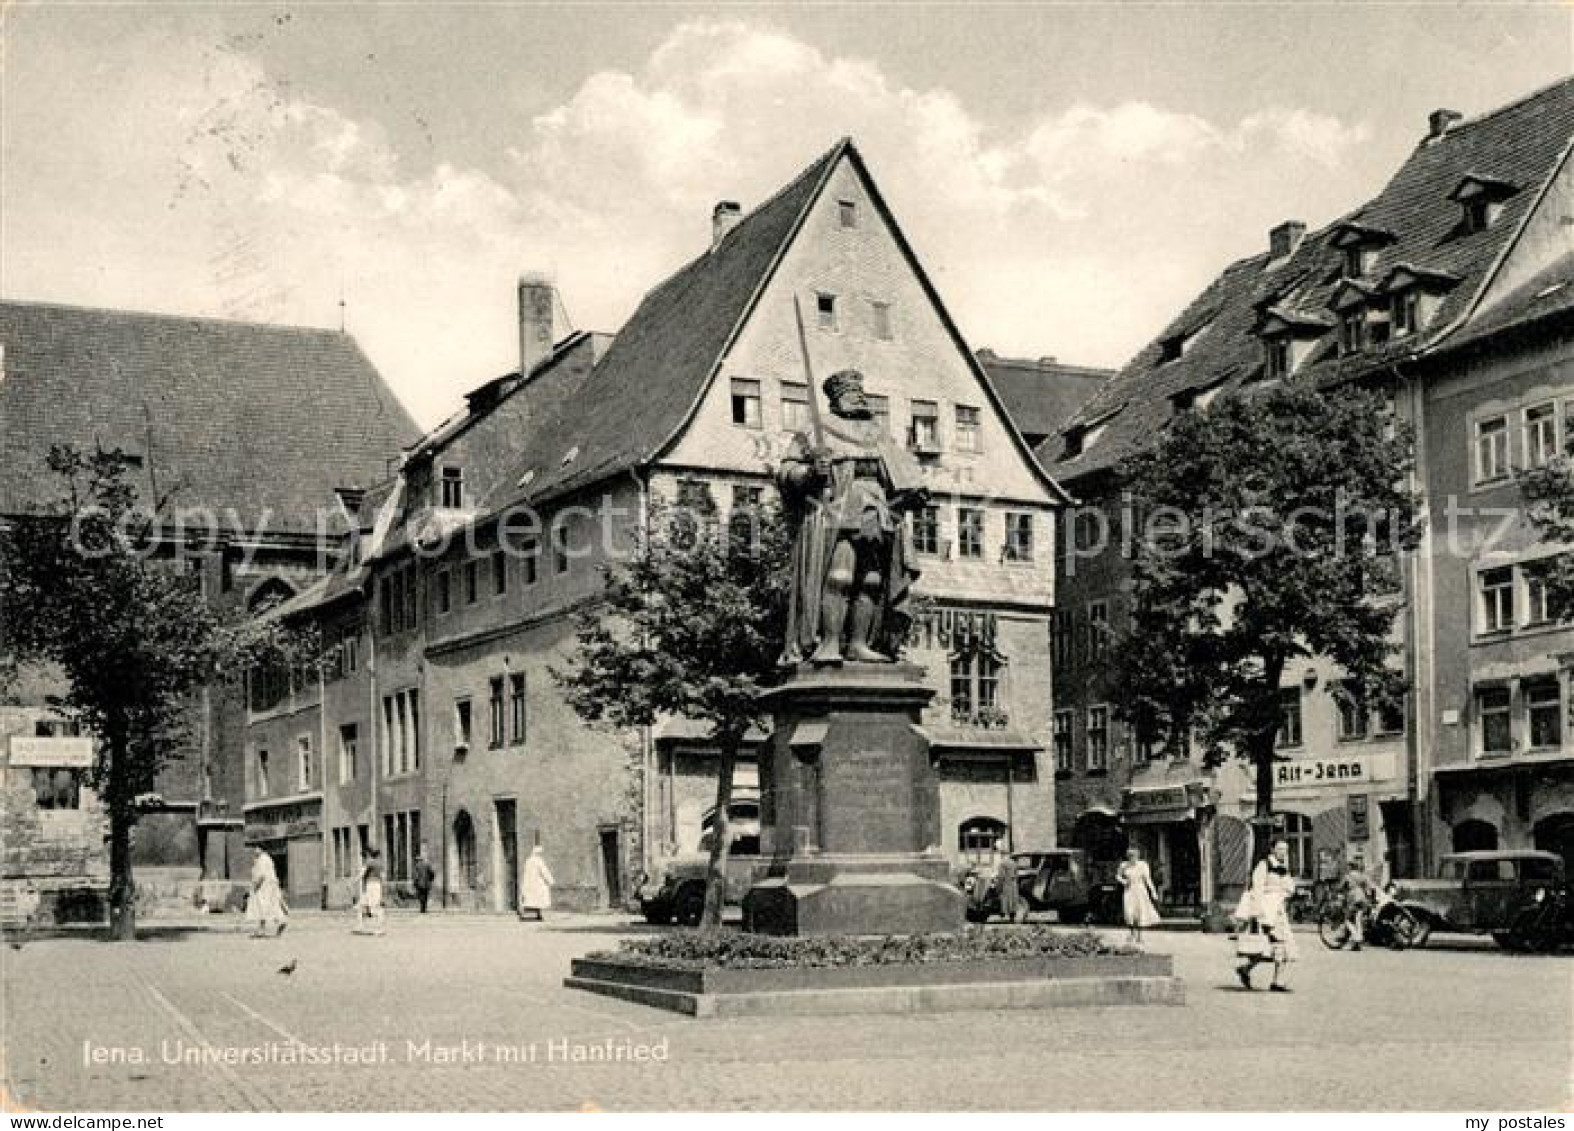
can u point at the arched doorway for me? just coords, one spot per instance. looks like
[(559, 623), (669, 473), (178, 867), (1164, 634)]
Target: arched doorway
[(1555, 833), (1474, 836), (464, 852)]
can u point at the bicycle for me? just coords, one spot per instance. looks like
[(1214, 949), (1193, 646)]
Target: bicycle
[(1386, 924)]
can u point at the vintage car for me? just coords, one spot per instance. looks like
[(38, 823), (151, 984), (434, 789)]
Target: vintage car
[(1480, 892), (674, 889), (1056, 879)]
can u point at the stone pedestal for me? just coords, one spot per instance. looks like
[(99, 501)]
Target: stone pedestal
[(850, 809)]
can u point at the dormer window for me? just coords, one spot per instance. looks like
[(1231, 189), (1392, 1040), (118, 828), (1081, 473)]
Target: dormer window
[(1196, 398), (1414, 297), (1480, 201), (453, 486), (1277, 356), (1288, 337), (1178, 345), (1081, 437), (1351, 304), (1360, 245)]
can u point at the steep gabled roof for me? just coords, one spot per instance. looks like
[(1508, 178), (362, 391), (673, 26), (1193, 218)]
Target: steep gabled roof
[(638, 395), (258, 424), (635, 403), (1522, 144)]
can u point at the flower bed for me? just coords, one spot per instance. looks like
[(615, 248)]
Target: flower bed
[(728, 950)]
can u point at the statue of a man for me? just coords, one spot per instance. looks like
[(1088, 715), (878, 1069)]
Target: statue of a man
[(851, 485)]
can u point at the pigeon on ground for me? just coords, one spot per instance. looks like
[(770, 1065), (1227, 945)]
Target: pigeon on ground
[(289, 967)]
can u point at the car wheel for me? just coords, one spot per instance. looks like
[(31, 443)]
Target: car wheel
[(1525, 934), (690, 905), (976, 914), (1333, 930), (1406, 930), (1077, 914)]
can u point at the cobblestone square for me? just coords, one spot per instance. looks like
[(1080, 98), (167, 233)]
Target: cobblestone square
[(472, 1015)]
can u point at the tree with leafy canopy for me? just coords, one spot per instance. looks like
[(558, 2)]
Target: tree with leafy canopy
[(689, 625), (1548, 492), (87, 586), (1269, 524)]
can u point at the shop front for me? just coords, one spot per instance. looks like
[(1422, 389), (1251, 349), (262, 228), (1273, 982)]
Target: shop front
[(290, 831), (1171, 824), (1335, 811)]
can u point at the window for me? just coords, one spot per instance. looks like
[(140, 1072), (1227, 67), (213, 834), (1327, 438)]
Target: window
[(746, 402), (341, 852), (413, 703), (1350, 700), (926, 530), (795, 406), (495, 704), (1087, 529), (453, 487), (1060, 637), (1544, 707), (976, 838), (445, 591), (1491, 449), (1098, 738), (825, 310), (975, 688), (516, 706), (472, 581), (560, 549), (57, 787), (1541, 434), (499, 573), (401, 753), (530, 559), (1019, 537), (1352, 331), (1492, 709), (462, 724), (303, 763), (1405, 311), (1289, 718), (1276, 355), (1063, 724), (746, 497), (1538, 600), (880, 412), (967, 429), (847, 213), (969, 532), (1098, 628), (263, 785), (349, 658), (1497, 600), (1298, 834), (880, 320), (349, 752), (924, 432)]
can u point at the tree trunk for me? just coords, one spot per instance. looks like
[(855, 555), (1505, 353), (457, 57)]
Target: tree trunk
[(721, 834), (122, 890)]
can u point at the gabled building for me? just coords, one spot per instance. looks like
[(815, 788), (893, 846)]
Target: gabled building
[(249, 430), (1042, 394), (1443, 292), (494, 534)]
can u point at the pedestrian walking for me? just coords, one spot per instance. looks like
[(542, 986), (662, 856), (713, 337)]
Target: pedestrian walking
[(1006, 881), (1359, 895), (1140, 899), (265, 903), (537, 894), (424, 875), (371, 916), (1267, 936)]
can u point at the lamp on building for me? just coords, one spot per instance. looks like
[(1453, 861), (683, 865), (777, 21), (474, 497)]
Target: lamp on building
[(1309, 678)]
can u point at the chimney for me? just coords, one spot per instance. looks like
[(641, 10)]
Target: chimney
[(537, 333), (1284, 239), (723, 219), (1439, 122)]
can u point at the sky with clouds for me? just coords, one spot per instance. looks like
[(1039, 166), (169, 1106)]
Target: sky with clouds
[(1070, 174)]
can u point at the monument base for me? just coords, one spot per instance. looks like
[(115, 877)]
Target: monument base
[(851, 809)]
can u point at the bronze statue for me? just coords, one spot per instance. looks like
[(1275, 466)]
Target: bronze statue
[(849, 487)]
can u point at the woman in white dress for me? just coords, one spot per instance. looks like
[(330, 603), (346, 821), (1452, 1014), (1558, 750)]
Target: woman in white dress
[(1265, 905), (1140, 901), (266, 904), (537, 893), (372, 918)]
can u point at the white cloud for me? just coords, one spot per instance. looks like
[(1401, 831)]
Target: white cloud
[(188, 178)]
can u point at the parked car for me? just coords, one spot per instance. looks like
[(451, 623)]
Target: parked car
[(1480, 892), (674, 889), (1056, 879)]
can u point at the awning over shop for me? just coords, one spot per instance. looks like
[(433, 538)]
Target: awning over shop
[(692, 732), (979, 740)]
